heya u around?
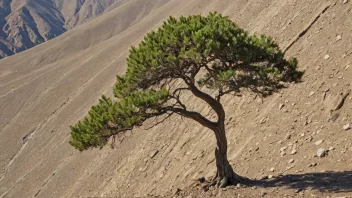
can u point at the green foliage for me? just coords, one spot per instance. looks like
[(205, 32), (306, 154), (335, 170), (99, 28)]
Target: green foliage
[(211, 50), (181, 47), (108, 116)]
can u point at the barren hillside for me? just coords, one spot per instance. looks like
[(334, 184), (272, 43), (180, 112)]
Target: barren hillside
[(26, 23), (51, 86)]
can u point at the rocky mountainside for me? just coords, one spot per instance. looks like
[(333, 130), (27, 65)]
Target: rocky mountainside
[(298, 139), (26, 23)]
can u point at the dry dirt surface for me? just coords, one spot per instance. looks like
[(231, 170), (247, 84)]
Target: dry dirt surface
[(51, 86)]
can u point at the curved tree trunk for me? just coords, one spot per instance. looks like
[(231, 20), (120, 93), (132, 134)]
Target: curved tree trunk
[(225, 174)]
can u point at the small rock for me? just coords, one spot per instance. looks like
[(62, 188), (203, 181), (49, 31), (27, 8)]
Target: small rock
[(289, 168), (281, 106), (142, 169), (311, 93), (309, 139), (326, 57), (294, 151), (345, 1), (153, 154), (176, 191), (298, 190), (201, 180), (272, 169), (263, 120), (347, 127), (264, 177), (338, 37), (331, 148), (270, 176), (312, 164), (288, 136), (291, 161), (319, 142), (283, 148), (339, 100), (334, 117), (238, 185), (321, 152)]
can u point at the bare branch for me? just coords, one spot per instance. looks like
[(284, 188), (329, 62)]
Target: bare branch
[(117, 130), (195, 116), (159, 122), (179, 90), (222, 93)]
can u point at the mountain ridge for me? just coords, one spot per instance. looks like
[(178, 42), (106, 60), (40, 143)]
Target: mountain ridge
[(27, 23)]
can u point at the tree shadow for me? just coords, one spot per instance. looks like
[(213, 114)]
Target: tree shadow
[(333, 182)]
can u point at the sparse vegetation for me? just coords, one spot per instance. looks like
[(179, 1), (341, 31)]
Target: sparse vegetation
[(182, 57)]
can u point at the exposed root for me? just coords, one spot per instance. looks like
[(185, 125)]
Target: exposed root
[(223, 182), (242, 180)]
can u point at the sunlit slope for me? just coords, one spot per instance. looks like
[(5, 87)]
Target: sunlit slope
[(49, 87)]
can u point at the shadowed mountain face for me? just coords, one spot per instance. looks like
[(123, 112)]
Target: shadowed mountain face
[(26, 23)]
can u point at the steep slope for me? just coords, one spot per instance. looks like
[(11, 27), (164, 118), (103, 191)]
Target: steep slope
[(49, 87), (77, 12), (26, 23)]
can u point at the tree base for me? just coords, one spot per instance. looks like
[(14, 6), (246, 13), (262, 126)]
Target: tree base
[(224, 181)]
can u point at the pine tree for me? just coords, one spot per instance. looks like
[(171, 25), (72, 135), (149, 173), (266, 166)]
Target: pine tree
[(193, 52)]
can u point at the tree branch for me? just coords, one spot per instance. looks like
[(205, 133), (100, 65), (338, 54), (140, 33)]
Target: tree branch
[(117, 130), (221, 93), (195, 116), (217, 107), (159, 122)]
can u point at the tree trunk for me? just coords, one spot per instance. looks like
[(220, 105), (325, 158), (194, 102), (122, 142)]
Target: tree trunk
[(225, 174)]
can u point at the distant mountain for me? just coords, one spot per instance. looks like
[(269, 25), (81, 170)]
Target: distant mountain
[(26, 23)]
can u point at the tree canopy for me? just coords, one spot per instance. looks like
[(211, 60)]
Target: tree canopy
[(197, 51)]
